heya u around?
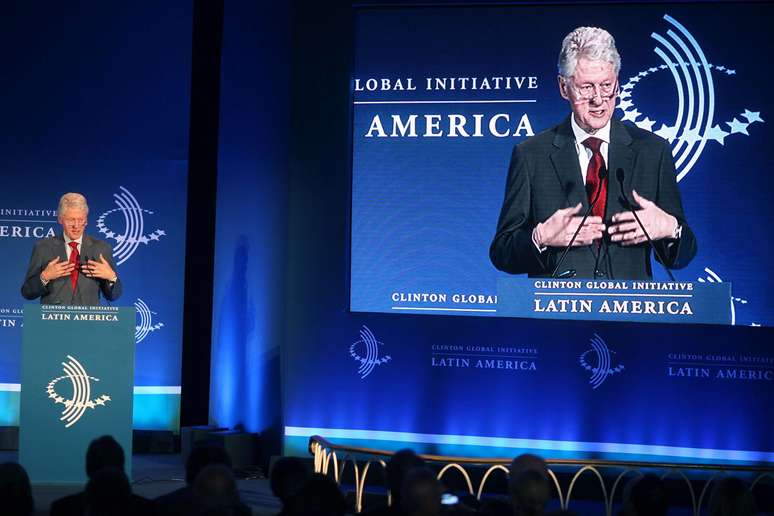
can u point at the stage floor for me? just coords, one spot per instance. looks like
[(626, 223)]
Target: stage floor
[(155, 475)]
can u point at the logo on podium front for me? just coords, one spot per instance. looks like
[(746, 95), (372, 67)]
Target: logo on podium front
[(80, 398)]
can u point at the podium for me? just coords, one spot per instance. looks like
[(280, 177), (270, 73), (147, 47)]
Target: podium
[(77, 383)]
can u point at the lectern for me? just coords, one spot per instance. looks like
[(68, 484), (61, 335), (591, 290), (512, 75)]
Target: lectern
[(76, 385)]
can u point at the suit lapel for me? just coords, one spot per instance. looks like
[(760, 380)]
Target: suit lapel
[(620, 155), (566, 166)]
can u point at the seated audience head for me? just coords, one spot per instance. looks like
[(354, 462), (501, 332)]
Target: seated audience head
[(421, 493), (216, 491), (108, 492), (287, 477), (732, 497), (103, 452), (319, 496), (15, 490), (647, 495), (528, 461), (202, 455), (530, 491), (400, 463)]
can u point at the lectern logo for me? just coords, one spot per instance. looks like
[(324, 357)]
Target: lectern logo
[(695, 121), (75, 406), (134, 226), (366, 351), (599, 361)]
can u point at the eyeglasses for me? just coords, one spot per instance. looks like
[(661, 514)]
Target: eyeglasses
[(586, 92), (76, 223)]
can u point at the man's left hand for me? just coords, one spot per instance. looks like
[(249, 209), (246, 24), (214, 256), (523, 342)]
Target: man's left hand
[(99, 269), (657, 222)]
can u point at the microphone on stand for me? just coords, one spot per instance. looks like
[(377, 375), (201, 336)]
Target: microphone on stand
[(619, 175), (570, 273)]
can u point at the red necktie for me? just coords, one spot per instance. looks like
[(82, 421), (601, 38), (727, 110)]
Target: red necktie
[(596, 165), (74, 260)]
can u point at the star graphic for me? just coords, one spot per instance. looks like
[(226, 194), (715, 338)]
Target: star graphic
[(68, 403), (106, 397), (666, 132), (627, 86), (720, 68), (110, 234), (643, 74), (120, 238), (52, 394), (631, 115), (625, 95), (646, 124), (652, 69), (691, 136), (160, 232), (154, 236), (90, 404), (731, 72), (717, 134), (738, 127), (143, 240), (663, 66), (59, 399), (100, 401), (634, 79), (625, 104), (752, 116)]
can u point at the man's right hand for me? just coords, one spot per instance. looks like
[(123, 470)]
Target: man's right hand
[(558, 229), (56, 269)]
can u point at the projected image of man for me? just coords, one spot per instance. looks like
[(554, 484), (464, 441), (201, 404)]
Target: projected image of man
[(594, 165), (71, 268)]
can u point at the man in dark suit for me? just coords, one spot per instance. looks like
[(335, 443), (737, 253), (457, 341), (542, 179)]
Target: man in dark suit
[(107, 485), (555, 175), (71, 268)]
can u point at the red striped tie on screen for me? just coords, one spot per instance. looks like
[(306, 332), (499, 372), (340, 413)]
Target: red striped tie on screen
[(596, 165), (74, 256)]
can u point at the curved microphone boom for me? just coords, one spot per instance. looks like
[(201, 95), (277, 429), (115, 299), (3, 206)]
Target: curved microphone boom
[(619, 175), (602, 177)]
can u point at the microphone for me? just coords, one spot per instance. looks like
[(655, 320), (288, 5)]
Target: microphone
[(619, 175), (602, 177)]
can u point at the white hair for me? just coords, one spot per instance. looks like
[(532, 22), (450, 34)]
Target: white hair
[(72, 201), (591, 43)]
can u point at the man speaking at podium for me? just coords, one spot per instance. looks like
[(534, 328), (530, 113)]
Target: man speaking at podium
[(591, 160), (71, 268)]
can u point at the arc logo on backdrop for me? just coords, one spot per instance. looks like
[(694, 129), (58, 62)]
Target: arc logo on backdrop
[(128, 241), (145, 324), (694, 124), (599, 361), (80, 399), (365, 351), (713, 277)]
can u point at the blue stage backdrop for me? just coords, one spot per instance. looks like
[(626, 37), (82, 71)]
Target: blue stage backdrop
[(99, 105), (424, 210), (438, 111), (250, 247)]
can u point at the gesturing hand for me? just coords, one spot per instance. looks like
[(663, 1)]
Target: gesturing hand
[(56, 268), (657, 222), (558, 229), (99, 269)]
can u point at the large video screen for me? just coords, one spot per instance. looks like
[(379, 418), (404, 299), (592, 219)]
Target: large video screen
[(444, 210)]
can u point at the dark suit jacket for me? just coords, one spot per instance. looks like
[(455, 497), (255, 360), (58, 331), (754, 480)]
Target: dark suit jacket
[(182, 502), (545, 176), (75, 505), (59, 291)]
